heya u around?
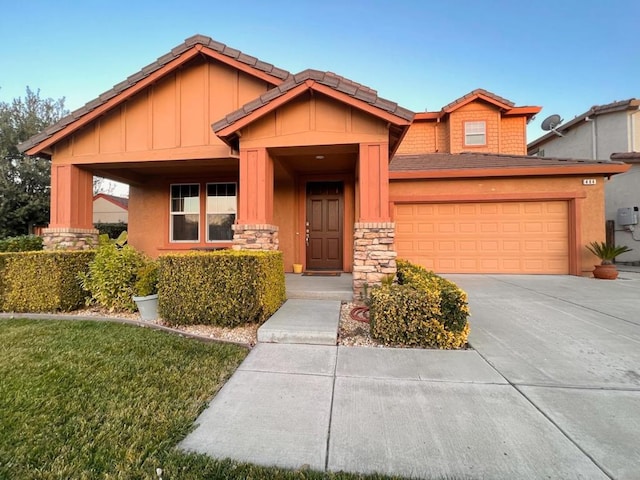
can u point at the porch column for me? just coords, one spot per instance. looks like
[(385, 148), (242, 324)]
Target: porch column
[(71, 222), (374, 255), (254, 229)]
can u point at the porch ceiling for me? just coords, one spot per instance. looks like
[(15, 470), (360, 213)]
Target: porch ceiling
[(304, 160), (138, 173)]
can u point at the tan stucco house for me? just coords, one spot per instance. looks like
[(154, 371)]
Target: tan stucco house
[(221, 149)]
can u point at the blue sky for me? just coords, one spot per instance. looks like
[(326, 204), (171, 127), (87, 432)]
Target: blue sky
[(562, 55)]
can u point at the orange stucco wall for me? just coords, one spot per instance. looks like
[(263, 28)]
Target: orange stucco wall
[(505, 134), (586, 225), (169, 120)]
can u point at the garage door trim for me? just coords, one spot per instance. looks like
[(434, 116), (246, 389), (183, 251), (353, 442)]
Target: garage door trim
[(572, 199)]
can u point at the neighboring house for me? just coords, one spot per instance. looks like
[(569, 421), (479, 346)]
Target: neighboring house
[(597, 134), (110, 209), (221, 149)]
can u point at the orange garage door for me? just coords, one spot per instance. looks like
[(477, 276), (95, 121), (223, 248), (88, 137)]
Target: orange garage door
[(507, 237)]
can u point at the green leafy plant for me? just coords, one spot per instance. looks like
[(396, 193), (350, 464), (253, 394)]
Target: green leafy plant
[(147, 279), (112, 276), (606, 253)]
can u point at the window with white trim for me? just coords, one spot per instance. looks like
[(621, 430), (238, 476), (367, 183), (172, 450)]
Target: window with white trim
[(185, 213), (221, 211), (475, 133)]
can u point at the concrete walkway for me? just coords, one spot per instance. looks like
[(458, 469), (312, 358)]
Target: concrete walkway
[(552, 390)]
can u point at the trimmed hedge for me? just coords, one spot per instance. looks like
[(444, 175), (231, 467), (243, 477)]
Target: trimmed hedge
[(24, 243), (225, 288), (42, 281), (424, 310), (453, 305)]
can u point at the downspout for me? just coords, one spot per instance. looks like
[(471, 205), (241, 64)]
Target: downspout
[(632, 132), (436, 132), (594, 140)]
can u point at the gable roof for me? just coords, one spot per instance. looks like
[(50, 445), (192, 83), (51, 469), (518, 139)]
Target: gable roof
[(328, 83), (618, 106), (443, 165), (122, 202), (192, 46), (507, 106)]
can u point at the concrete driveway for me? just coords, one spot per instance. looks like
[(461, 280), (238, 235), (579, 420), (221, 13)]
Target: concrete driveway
[(550, 390), (571, 347)]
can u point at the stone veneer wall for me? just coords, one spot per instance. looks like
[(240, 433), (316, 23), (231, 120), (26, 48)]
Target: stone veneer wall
[(374, 255), (70, 238), (255, 237)]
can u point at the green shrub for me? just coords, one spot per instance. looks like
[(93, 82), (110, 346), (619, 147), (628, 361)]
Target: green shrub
[(24, 243), (112, 275), (225, 288), (453, 309), (113, 230), (42, 281), (147, 279), (406, 316), (423, 310)]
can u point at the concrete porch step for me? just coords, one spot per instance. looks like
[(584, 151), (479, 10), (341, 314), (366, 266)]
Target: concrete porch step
[(320, 288), (307, 321)]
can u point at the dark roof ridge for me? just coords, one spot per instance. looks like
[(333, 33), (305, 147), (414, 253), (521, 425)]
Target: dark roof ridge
[(476, 92), (329, 79)]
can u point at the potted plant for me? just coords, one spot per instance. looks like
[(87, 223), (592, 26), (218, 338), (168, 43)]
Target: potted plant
[(606, 253), (146, 291)]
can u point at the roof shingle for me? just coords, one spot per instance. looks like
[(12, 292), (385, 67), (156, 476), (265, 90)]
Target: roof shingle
[(329, 79), (452, 161)]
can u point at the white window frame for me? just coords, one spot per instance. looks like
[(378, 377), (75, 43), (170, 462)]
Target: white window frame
[(173, 214), (476, 129), (207, 212)]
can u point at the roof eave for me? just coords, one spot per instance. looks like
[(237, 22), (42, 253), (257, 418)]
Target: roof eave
[(599, 169)]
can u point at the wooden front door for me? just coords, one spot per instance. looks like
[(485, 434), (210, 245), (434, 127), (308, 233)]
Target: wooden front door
[(324, 225)]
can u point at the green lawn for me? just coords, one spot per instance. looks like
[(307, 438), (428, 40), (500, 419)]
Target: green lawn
[(103, 400)]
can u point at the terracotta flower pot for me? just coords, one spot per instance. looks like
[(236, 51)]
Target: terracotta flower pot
[(606, 272)]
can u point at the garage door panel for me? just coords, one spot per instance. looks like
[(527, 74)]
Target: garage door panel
[(508, 237)]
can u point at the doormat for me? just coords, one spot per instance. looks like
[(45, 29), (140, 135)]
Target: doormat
[(321, 274)]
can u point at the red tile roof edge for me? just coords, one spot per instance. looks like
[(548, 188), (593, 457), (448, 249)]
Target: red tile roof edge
[(122, 202)]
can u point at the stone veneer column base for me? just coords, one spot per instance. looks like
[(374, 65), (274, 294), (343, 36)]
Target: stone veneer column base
[(70, 238), (255, 237), (374, 255)]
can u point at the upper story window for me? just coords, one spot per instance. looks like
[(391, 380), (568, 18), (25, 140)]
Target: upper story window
[(475, 133), (185, 213)]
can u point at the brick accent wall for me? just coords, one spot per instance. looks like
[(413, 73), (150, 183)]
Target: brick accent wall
[(513, 136), (255, 237), (473, 112), (421, 138), (374, 255), (506, 135), (69, 238)]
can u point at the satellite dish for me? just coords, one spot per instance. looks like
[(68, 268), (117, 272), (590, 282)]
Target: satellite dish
[(550, 123)]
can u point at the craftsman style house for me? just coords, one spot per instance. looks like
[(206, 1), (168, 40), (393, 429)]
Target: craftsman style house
[(223, 150)]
